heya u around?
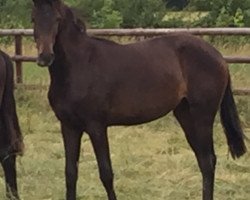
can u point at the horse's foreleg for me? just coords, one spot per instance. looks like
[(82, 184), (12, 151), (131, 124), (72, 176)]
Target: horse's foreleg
[(72, 144), (9, 167), (99, 139), (198, 130)]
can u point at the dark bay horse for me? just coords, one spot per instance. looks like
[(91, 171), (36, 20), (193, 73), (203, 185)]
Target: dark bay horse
[(11, 142), (97, 83)]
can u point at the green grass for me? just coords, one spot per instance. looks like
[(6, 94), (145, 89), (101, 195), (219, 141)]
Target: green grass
[(151, 161)]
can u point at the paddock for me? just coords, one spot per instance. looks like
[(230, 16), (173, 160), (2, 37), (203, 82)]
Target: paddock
[(151, 161)]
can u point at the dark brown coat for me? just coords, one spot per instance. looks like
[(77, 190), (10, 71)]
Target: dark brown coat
[(97, 83), (10, 135)]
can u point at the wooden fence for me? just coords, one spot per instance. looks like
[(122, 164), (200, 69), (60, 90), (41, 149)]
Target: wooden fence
[(18, 58)]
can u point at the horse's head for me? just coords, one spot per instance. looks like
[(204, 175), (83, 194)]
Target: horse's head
[(46, 17)]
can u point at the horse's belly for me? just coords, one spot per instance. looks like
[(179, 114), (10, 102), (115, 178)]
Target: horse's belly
[(135, 118), (131, 111)]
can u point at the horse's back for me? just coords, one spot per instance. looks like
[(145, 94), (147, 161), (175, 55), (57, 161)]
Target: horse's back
[(172, 54)]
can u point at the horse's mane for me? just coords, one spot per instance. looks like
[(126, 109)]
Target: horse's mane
[(79, 16), (74, 15), (80, 23)]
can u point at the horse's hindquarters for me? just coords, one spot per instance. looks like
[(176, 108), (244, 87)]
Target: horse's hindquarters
[(206, 73)]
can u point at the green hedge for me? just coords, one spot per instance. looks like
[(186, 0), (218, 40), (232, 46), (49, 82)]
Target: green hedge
[(138, 13)]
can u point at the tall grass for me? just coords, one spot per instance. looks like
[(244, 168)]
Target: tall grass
[(151, 161)]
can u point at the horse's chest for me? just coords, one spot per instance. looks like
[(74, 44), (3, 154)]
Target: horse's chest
[(66, 110)]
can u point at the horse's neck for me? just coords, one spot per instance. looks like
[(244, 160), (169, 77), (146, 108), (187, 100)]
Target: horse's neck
[(66, 50)]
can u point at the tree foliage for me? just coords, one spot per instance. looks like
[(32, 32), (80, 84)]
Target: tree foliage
[(123, 13), (100, 13), (176, 4), (223, 13), (137, 13), (140, 13), (14, 13)]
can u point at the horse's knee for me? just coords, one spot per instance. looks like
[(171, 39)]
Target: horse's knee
[(208, 164)]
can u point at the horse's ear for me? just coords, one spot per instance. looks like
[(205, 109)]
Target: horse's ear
[(80, 25), (77, 21)]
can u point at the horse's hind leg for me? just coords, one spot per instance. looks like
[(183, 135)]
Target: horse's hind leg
[(197, 124), (9, 167)]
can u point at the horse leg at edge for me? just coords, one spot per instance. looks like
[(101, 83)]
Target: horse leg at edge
[(99, 139), (72, 144), (9, 168), (198, 130)]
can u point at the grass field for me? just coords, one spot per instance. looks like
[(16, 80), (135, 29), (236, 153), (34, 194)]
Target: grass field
[(151, 161)]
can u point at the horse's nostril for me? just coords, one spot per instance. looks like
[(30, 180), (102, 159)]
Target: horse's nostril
[(45, 59)]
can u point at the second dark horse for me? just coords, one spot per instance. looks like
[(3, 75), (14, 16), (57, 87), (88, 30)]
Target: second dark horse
[(97, 83), (11, 142)]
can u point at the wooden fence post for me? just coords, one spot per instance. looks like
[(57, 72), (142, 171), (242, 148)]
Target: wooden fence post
[(18, 52)]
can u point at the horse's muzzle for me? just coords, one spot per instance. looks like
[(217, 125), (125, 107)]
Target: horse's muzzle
[(45, 60)]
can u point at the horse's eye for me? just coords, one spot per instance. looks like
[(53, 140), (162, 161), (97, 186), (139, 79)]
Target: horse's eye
[(32, 20)]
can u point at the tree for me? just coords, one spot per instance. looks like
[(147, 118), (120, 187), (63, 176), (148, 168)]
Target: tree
[(13, 14), (123, 13), (200, 5), (140, 13), (100, 13), (225, 13), (107, 17)]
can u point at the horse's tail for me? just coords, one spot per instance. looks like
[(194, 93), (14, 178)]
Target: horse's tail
[(231, 123), (8, 108)]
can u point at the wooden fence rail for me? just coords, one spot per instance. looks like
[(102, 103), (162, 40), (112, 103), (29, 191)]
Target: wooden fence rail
[(143, 32), (18, 58)]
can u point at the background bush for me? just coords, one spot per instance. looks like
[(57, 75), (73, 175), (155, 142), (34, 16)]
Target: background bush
[(139, 13)]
